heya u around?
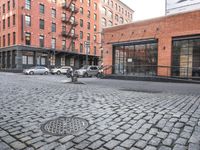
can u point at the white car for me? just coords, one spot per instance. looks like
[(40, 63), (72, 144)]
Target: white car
[(36, 70), (61, 70), (87, 71)]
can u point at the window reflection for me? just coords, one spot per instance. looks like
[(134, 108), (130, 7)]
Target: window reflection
[(186, 58), (136, 59)]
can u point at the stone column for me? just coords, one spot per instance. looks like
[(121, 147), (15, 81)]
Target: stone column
[(6, 60), (3, 59), (48, 59), (11, 59), (18, 60), (35, 55)]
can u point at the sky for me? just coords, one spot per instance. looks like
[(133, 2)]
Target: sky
[(146, 9)]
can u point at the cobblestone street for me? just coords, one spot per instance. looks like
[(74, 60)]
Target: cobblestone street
[(122, 115)]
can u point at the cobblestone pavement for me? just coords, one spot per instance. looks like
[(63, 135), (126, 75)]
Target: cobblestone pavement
[(139, 116)]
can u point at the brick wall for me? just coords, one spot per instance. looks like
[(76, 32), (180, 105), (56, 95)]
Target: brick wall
[(163, 29)]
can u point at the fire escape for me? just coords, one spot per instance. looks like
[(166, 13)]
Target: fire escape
[(71, 23)]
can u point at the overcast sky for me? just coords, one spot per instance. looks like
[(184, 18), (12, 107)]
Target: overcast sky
[(145, 9)]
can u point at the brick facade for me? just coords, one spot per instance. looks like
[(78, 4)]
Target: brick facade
[(162, 29), (69, 48)]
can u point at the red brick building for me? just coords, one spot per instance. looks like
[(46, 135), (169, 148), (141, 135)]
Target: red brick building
[(49, 33), (114, 12), (165, 46)]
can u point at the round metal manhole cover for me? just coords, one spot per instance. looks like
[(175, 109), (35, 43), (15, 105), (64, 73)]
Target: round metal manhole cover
[(64, 126)]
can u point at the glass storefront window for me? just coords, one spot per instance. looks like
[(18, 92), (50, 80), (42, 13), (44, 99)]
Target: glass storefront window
[(62, 61), (38, 60), (52, 60), (30, 60), (186, 58), (24, 60), (43, 60), (136, 59)]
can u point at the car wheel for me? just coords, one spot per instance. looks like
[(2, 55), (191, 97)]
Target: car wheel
[(58, 72), (85, 75), (46, 72), (31, 73)]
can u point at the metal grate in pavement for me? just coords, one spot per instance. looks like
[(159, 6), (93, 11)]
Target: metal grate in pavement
[(64, 126)]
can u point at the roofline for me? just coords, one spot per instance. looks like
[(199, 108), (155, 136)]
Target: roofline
[(151, 19), (126, 5)]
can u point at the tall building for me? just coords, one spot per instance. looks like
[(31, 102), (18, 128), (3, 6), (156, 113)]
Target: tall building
[(180, 6), (114, 12), (55, 32)]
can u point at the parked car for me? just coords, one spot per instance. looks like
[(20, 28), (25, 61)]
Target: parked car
[(87, 71), (36, 70), (61, 70), (196, 71)]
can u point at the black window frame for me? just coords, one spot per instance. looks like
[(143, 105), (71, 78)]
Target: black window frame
[(88, 25), (4, 40), (81, 47), (13, 1), (81, 35), (14, 20), (28, 4), (42, 8), (8, 22), (8, 39), (81, 10), (53, 27), (81, 22), (4, 8), (4, 24), (27, 42), (8, 5), (53, 13), (28, 22), (41, 24), (41, 40), (14, 38)]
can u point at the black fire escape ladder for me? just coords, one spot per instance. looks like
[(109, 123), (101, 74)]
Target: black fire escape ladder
[(70, 45), (69, 6)]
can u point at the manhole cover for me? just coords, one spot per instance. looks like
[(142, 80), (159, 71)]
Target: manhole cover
[(64, 126), (138, 90)]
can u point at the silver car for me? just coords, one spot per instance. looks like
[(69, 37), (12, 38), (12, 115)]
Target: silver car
[(87, 71), (36, 70), (61, 70)]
